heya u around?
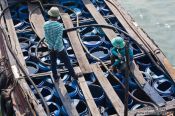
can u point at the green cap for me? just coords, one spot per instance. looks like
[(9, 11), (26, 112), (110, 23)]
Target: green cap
[(118, 42), (54, 12)]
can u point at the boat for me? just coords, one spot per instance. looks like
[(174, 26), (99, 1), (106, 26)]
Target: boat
[(28, 87)]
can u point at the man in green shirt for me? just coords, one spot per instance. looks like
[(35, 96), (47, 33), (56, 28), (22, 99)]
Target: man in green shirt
[(118, 54), (53, 37)]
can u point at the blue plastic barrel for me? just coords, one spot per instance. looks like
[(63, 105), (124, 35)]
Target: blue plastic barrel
[(121, 94), (71, 53), (18, 24), (113, 82), (26, 54), (32, 67), (88, 31), (90, 78), (92, 41), (168, 98), (77, 11), (81, 107), (32, 50), (140, 95), (97, 93), (39, 82), (143, 62), (103, 10), (24, 42), (54, 109), (66, 43), (23, 12), (13, 13), (46, 92), (72, 89), (164, 87), (100, 52), (154, 72)]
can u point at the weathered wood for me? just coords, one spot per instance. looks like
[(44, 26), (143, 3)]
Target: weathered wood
[(76, 45), (87, 94), (113, 97), (139, 35), (99, 18), (138, 75), (12, 33), (150, 111), (37, 19), (66, 100), (25, 92)]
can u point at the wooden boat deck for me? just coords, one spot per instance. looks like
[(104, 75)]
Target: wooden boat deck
[(84, 66)]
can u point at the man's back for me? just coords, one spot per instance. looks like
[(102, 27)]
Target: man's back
[(53, 35)]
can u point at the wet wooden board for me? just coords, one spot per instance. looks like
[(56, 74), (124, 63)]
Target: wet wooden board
[(37, 19), (76, 45), (66, 100), (139, 35), (87, 94), (99, 18), (117, 103)]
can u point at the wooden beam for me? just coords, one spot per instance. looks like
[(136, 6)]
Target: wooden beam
[(25, 93), (37, 19), (99, 18), (113, 97), (87, 94), (76, 45), (11, 31), (66, 100)]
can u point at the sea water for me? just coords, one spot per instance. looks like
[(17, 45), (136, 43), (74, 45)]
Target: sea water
[(157, 18)]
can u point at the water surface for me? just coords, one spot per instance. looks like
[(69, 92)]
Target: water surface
[(157, 18)]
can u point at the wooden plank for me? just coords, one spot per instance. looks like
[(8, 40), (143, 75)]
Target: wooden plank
[(76, 45), (138, 75), (25, 92), (139, 35), (12, 33), (87, 94), (150, 111), (66, 100), (117, 103), (99, 18), (37, 19)]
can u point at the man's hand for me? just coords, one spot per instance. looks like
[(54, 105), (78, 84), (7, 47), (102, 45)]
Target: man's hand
[(120, 56)]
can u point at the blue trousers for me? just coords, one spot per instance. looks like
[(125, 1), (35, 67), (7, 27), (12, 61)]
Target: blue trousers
[(63, 57)]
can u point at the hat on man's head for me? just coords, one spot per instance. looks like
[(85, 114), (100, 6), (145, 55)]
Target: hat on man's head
[(118, 42), (54, 12)]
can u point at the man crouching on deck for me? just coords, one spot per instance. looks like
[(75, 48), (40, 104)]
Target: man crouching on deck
[(53, 37)]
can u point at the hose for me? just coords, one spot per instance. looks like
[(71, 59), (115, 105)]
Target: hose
[(19, 64), (95, 58)]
